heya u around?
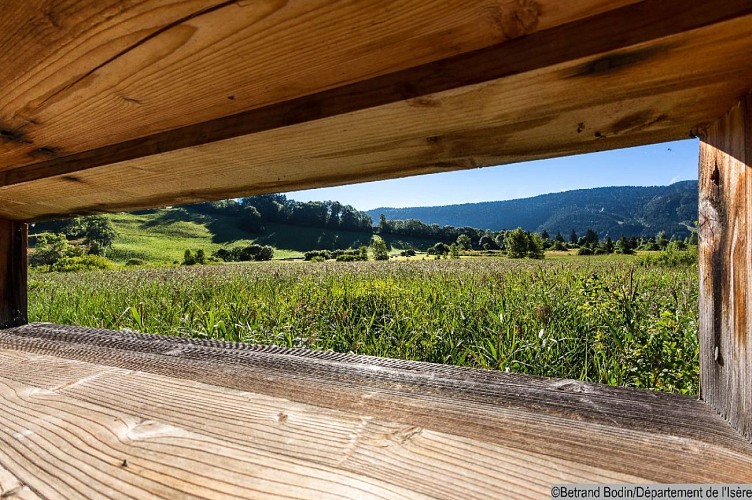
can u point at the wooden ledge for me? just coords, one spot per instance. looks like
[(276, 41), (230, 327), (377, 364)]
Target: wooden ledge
[(137, 415)]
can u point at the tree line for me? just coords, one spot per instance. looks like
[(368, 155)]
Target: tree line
[(518, 243), (255, 211)]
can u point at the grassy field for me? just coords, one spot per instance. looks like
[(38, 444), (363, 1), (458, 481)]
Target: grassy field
[(162, 237), (597, 319)]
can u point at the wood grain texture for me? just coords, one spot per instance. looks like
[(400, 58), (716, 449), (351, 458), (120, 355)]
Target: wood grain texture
[(511, 119), (161, 425), (552, 95), (726, 266), (625, 27), (13, 303), (101, 72), (568, 422), (11, 487)]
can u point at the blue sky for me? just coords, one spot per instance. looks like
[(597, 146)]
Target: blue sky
[(655, 165)]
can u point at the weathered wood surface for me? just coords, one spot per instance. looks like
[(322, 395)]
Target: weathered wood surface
[(162, 64), (578, 80), (137, 434), (11, 487), (352, 423), (13, 236), (726, 266)]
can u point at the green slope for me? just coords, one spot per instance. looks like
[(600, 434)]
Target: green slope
[(162, 236)]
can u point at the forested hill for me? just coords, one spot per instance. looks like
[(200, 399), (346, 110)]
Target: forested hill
[(632, 211)]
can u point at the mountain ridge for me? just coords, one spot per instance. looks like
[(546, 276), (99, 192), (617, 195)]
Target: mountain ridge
[(614, 210)]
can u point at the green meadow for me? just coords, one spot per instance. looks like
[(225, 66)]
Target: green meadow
[(620, 320)]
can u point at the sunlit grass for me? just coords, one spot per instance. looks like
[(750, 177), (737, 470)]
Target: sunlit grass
[(597, 319)]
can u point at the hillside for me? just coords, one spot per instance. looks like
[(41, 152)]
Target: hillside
[(162, 236), (292, 228), (632, 211)]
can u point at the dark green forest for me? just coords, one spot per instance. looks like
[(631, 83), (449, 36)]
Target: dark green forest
[(610, 211)]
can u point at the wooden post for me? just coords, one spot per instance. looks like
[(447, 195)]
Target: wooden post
[(12, 273), (726, 266)]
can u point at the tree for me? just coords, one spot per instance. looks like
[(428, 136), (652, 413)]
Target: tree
[(266, 253), (661, 241), (97, 231), (591, 237), (500, 240), (573, 237), (188, 259), (545, 235), (608, 245), (464, 242), (438, 249), (380, 251), (486, 242), (534, 246), (559, 237), (383, 224), (50, 248), (250, 219), (200, 256), (517, 243), (622, 246), (335, 208), (454, 251)]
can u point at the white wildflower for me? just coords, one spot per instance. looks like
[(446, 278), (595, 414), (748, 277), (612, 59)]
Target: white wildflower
[(541, 333)]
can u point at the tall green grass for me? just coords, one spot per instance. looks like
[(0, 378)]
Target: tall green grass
[(601, 320)]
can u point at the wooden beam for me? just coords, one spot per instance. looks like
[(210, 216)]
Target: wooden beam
[(13, 240), (159, 65), (725, 221), (63, 419), (554, 111), (651, 435), (612, 30)]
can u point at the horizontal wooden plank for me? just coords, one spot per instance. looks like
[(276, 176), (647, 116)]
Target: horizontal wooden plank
[(387, 458), (645, 433), (11, 487), (621, 79), (97, 73), (611, 31), (533, 115), (68, 448)]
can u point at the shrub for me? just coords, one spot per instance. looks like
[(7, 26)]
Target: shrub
[(83, 263), (584, 251), (348, 257), (320, 255), (51, 247), (351, 255), (135, 262), (439, 249), (558, 245), (188, 258), (670, 258), (380, 252), (244, 254), (200, 256)]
